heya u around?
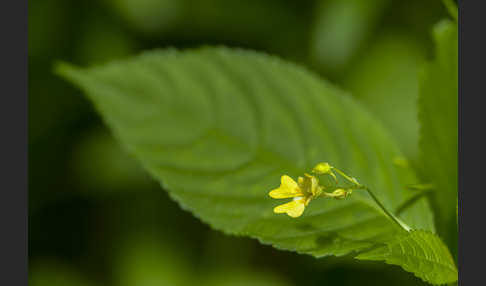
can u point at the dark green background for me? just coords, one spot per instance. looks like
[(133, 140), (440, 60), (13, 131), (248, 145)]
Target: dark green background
[(95, 218)]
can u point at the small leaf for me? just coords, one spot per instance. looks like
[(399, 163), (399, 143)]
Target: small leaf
[(218, 127), (420, 252), (438, 99)]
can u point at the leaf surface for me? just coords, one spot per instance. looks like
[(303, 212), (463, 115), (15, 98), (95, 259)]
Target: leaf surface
[(438, 99), (420, 252), (340, 29), (218, 127), (386, 82)]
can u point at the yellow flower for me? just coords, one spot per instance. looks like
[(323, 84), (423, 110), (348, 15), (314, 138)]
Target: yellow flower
[(302, 192)]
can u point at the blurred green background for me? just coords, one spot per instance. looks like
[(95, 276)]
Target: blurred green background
[(96, 218)]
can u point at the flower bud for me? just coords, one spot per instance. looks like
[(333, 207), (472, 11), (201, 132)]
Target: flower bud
[(324, 168), (340, 193)]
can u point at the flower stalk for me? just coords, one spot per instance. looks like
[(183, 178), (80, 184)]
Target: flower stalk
[(308, 188), (388, 213)]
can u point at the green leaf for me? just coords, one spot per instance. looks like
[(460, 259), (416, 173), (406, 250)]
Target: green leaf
[(149, 16), (191, 21), (438, 99), (386, 82), (148, 259), (100, 166), (451, 8), (239, 277), (340, 29), (218, 127), (50, 272), (420, 252)]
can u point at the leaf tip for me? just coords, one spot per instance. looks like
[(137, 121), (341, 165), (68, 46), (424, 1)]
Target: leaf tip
[(67, 71)]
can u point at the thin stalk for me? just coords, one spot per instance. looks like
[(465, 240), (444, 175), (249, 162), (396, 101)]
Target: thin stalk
[(357, 185), (389, 214), (408, 203), (352, 180)]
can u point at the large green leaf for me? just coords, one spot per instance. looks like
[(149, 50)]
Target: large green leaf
[(147, 259), (340, 29), (420, 252), (438, 125), (100, 166), (190, 21), (50, 272), (385, 81), (218, 127)]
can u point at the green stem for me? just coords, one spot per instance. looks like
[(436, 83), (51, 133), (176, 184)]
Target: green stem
[(357, 185), (451, 8), (389, 214), (352, 180), (411, 201), (421, 187)]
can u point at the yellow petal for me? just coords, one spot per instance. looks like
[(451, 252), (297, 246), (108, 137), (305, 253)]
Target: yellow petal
[(314, 185), (288, 189), (294, 208), (282, 193), (288, 182)]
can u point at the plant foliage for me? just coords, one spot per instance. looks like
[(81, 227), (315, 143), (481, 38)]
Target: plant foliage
[(218, 127)]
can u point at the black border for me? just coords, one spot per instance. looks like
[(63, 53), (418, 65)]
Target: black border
[(13, 118), (472, 143), (13, 125)]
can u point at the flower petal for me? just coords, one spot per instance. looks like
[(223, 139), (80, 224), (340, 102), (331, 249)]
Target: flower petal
[(288, 182), (294, 208), (288, 189), (282, 193)]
